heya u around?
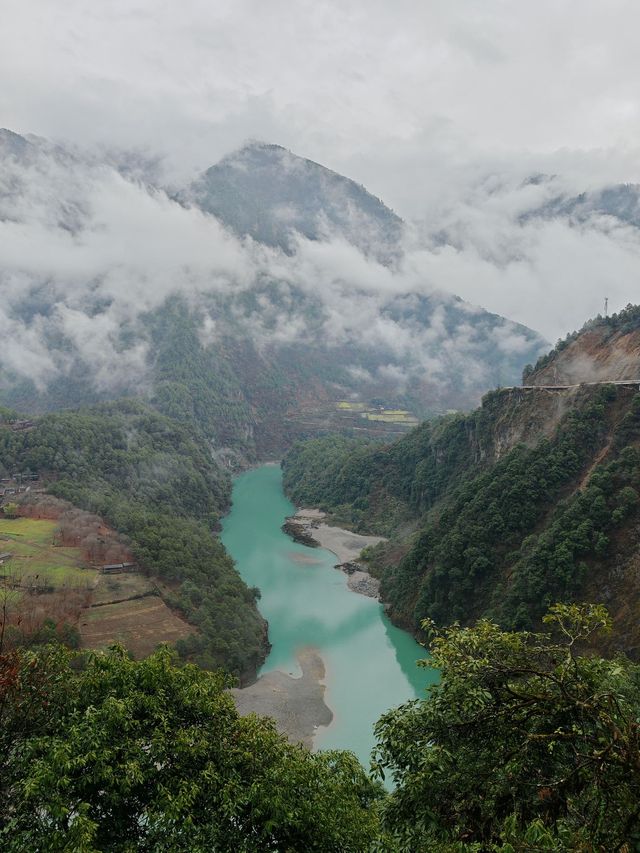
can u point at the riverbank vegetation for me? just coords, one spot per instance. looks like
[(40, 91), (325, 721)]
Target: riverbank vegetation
[(525, 744), (125, 756)]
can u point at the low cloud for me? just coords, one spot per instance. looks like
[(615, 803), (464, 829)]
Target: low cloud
[(88, 252), (500, 245)]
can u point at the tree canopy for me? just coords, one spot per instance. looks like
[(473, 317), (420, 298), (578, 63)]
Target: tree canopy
[(528, 743), (119, 755), (524, 744)]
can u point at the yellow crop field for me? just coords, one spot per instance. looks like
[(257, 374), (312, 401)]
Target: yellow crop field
[(346, 406)]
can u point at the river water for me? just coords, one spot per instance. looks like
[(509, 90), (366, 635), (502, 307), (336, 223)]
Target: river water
[(370, 664)]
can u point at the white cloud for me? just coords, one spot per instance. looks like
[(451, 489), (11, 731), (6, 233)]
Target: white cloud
[(89, 253), (440, 109), (389, 93), (550, 274)]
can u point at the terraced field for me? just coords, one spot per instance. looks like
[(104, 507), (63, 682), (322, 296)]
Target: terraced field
[(351, 418), (127, 608), (371, 413), (392, 416)]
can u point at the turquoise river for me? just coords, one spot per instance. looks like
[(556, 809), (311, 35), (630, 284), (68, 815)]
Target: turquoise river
[(370, 664)]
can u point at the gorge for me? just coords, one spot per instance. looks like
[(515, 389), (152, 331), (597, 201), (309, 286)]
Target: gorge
[(370, 665)]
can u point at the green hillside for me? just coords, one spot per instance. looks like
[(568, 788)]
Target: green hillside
[(531, 499)]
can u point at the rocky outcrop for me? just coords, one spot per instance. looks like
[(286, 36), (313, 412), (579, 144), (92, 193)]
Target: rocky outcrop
[(299, 533), (359, 580), (606, 350)]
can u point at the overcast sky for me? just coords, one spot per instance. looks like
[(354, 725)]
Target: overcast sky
[(413, 98)]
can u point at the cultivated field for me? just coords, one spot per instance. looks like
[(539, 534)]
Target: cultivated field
[(400, 417), (127, 609), (36, 562), (42, 580)]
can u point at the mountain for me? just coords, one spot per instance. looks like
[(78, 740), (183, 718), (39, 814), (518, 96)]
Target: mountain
[(621, 202), (12, 144), (532, 498), (112, 288), (272, 195)]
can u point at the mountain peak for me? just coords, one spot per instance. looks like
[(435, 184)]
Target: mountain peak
[(13, 143), (5, 133), (260, 145), (267, 192)]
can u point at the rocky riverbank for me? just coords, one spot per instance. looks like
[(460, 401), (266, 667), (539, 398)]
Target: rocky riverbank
[(308, 527)]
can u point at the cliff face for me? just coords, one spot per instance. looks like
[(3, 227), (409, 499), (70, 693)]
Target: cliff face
[(525, 416), (521, 416), (597, 355), (606, 349)]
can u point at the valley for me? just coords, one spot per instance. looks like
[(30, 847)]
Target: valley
[(366, 664), (319, 427), (234, 355), (396, 492)]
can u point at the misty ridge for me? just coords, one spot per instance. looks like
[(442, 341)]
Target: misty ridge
[(280, 255)]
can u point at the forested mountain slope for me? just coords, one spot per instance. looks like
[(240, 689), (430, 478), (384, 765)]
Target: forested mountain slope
[(621, 202), (531, 499)]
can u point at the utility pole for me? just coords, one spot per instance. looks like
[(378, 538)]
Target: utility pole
[(606, 306)]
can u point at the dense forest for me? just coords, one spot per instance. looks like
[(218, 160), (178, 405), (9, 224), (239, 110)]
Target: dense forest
[(244, 396), (377, 486), (154, 480), (485, 534), (524, 745)]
